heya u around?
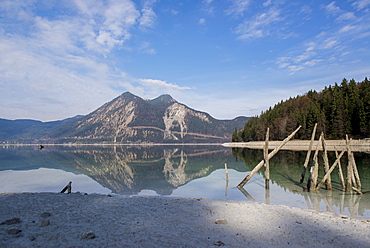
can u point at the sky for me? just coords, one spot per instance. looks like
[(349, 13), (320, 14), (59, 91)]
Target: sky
[(229, 58)]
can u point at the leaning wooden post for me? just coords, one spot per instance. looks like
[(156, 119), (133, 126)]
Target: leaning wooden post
[(308, 154), (312, 180), (271, 154), (340, 172), (349, 167), (330, 170), (267, 164), (326, 163), (68, 187), (355, 170)]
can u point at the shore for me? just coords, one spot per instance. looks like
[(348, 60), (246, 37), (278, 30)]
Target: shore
[(303, 145), (79, 220)]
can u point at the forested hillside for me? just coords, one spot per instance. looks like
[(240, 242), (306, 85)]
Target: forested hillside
[(338, 110)]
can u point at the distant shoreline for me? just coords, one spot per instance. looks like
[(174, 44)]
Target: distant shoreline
[(303, 145), (114, 144)]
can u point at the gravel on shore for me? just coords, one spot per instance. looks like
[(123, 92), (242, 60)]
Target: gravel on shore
[(80, 220)]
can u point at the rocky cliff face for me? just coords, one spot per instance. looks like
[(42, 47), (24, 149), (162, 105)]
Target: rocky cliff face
[(129, 118)]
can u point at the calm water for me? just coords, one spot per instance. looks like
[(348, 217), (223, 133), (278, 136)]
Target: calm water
[(177, 171)]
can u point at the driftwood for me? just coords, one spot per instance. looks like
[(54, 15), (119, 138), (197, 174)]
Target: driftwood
[(271, 154), (68, 187)]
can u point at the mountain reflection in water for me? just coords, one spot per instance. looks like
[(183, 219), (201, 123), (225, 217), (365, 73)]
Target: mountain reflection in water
[(193, 171)]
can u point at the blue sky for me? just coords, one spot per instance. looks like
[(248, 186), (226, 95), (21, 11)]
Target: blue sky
[(225, 57)]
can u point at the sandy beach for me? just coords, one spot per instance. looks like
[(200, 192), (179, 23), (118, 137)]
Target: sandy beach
[(79, 220)]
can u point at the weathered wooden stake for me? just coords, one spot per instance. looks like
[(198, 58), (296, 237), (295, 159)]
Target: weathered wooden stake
[(349, 167), (265, 156), (357, 190), (68, 187), (308, 154), (271, 154), (340, 172), (358, 181), (227, 172), (326, 163), (314, 171), (330, 170), (227, 179)]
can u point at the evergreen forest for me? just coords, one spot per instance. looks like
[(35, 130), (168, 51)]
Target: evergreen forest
[(338, 110)]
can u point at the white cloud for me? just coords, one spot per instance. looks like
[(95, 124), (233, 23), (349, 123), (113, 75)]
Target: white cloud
[(347, 28), (361, 4), (57, 66), (202, 21), (306, 9), (346, 16), (260, 25), (238, 7), (332, 9), (148, 16), (155, 85), (329, 43)]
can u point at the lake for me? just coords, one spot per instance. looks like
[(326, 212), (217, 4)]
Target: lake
[(196, 171)]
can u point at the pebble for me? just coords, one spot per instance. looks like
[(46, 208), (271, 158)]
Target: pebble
[(45, 223), (11, 221), (88, 235), (221, 221), (45, 214), (13, 230), (219, 243)]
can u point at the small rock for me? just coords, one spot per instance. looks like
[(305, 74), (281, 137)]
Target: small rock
[(45, 214), (31, 238), (45, 223), (11, 221), (13, 231), (219, 243), (88, 235), (221, 221)]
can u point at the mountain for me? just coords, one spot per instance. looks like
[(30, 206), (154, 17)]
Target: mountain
[(131, 119), (27, 130)]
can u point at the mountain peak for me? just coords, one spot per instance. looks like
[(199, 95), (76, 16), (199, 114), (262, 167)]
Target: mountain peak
[(163, 99), (128, 94)]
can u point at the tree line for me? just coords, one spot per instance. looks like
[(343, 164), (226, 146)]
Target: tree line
[(338, 110)]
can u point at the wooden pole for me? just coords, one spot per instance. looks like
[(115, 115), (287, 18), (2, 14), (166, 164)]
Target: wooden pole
[(68, 187), (227, 172), (314, 171), (340, 172), (355, 170), (326, 163), (330, 170), (227, 179), (267, 164), (349, 167), (308, 154), (271, 154)]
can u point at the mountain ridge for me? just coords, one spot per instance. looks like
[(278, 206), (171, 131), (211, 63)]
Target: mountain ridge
[(132, 119)]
